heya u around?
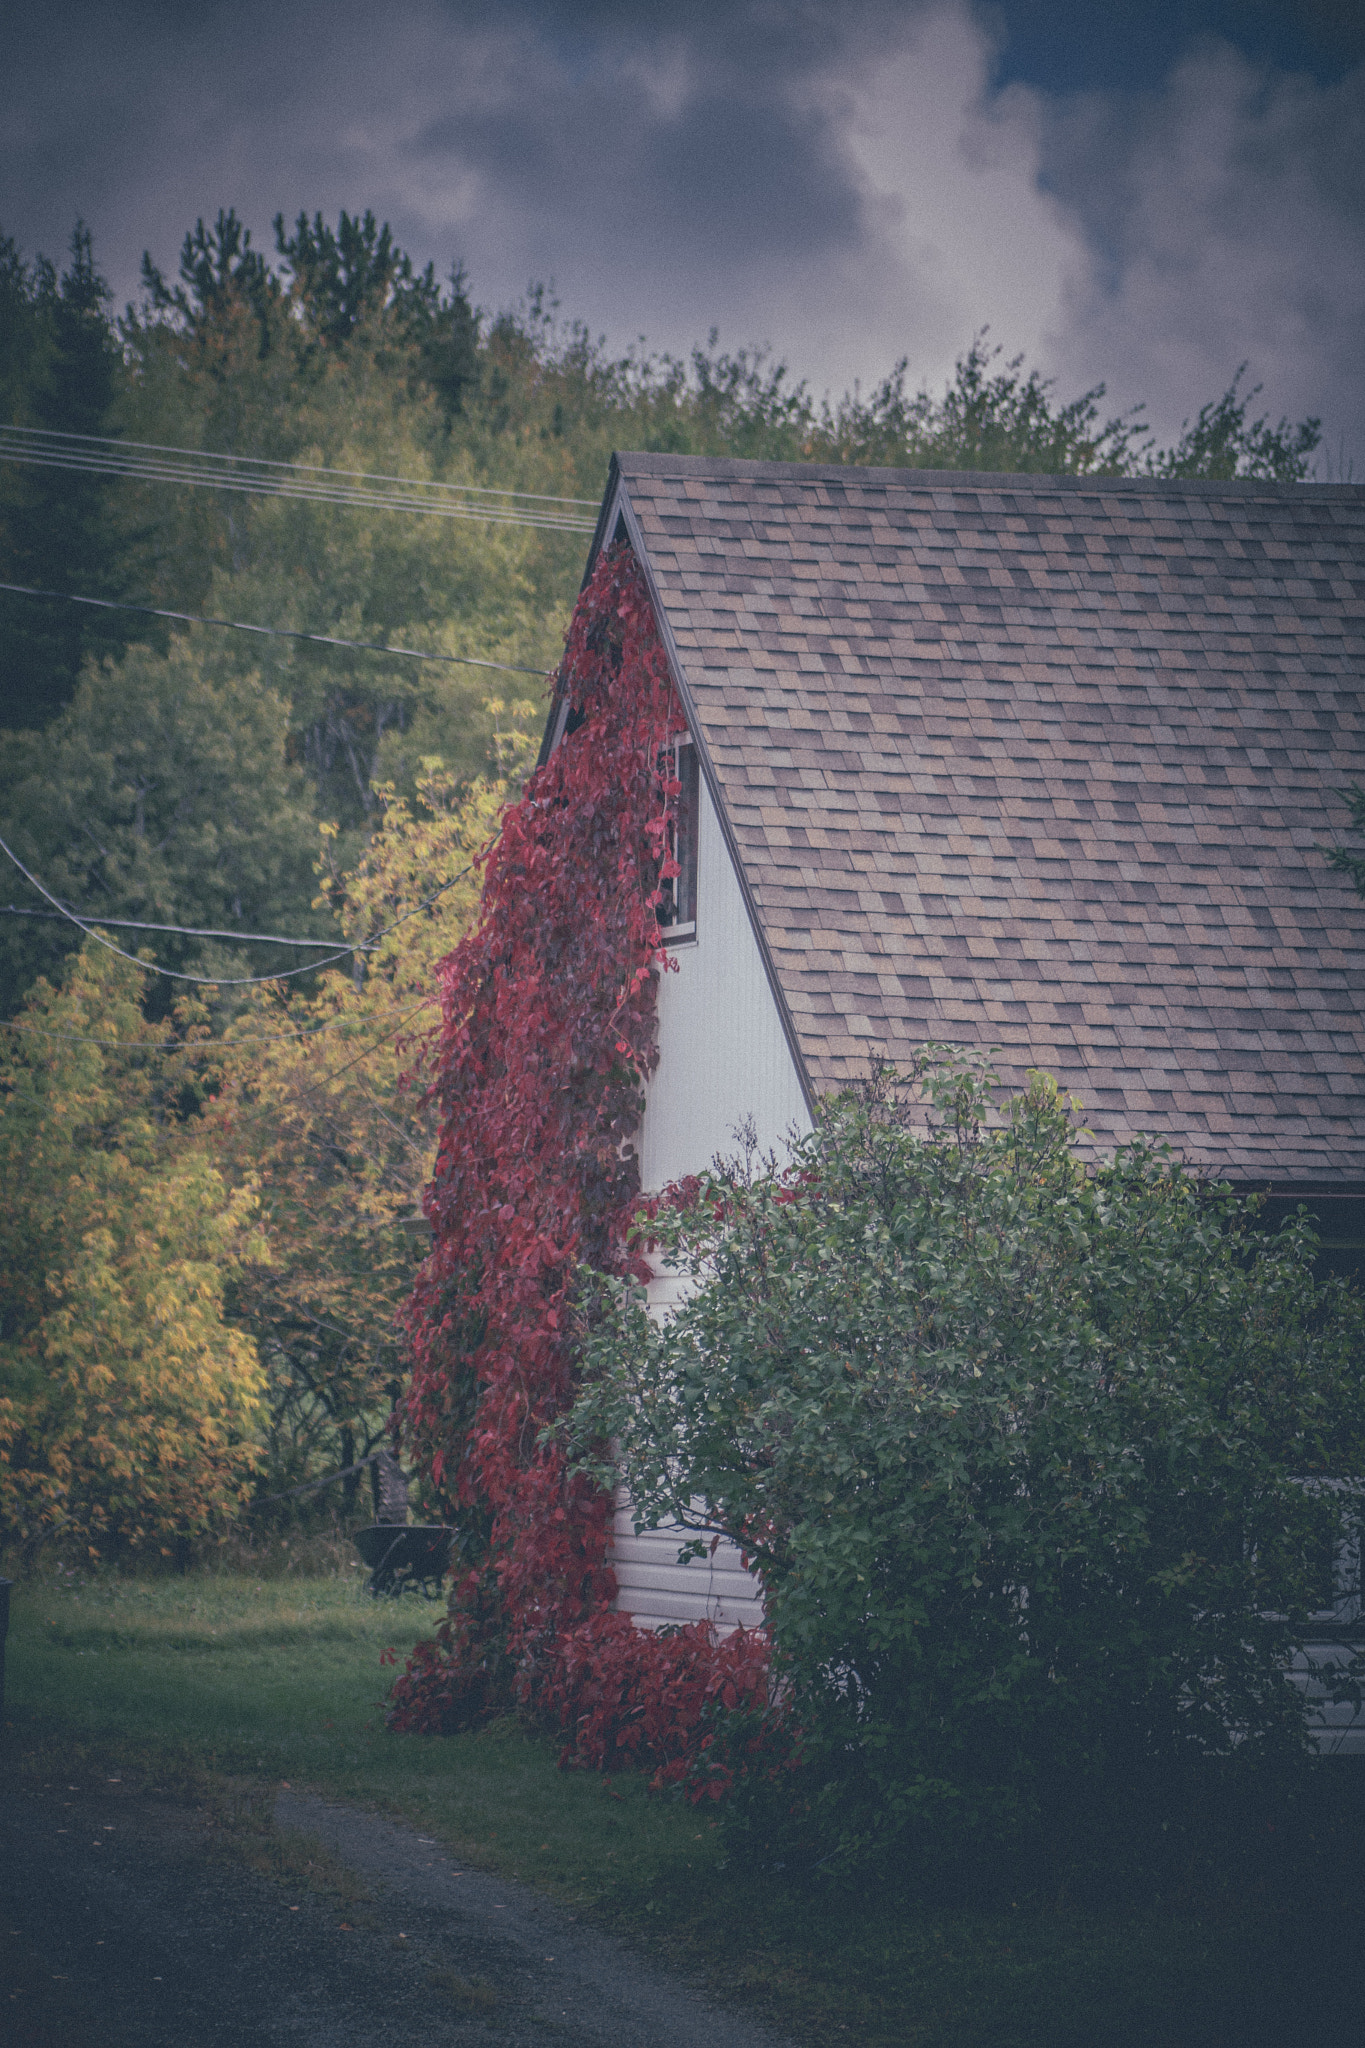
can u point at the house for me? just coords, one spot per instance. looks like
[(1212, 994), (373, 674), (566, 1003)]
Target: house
[(1040, 765)]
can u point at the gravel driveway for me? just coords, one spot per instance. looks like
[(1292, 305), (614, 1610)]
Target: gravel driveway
[(130, 1921)]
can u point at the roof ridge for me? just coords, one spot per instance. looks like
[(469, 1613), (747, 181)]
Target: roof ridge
[(682, 467)]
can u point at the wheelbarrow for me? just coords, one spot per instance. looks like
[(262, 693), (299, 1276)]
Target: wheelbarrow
[(401, 1555)]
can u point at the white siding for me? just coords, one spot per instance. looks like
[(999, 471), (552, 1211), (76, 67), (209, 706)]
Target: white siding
[(654, 1589), (723, 1055), (723, 1058)]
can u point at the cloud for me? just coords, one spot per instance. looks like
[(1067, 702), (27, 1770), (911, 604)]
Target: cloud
[(957, 232), (846, 182), (1222, 220)]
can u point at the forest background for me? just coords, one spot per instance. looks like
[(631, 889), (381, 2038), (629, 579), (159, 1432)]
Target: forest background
[(212, 1153)]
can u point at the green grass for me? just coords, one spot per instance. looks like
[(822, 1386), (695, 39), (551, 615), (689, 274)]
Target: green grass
[(280, 1679), (259, 1680)]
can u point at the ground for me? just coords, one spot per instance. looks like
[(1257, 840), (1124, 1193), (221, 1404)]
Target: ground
[(138, 1921), (184, 1709)]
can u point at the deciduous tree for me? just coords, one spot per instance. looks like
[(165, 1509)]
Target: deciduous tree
[(322, 1105), (128, 1405)]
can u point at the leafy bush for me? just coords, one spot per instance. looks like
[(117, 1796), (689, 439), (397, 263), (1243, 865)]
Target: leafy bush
[(1019, 1447)]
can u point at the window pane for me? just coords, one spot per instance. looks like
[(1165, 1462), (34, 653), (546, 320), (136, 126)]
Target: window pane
[(678, 911), (686, 846)]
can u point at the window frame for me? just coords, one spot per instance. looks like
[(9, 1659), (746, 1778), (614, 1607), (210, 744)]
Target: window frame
[(684, 757)]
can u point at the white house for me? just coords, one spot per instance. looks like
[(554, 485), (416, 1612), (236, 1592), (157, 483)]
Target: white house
[(1042, 765)]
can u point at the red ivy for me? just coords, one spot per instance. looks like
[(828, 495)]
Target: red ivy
[(624, 1695), (548, 1036)]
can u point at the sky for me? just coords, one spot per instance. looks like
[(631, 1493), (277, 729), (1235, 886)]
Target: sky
[(1141, 192)]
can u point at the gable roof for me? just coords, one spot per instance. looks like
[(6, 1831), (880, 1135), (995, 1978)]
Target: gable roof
[(1044, 765)]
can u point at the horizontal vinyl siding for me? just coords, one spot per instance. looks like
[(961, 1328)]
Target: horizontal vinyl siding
[(655, 1590), (723, 1059), (651, 1586)]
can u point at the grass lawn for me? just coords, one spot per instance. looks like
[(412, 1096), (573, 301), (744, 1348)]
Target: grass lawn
[(278, 1678)]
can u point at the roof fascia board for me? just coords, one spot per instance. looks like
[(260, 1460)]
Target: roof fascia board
[(626, 512), (606, 518), (606, 524)]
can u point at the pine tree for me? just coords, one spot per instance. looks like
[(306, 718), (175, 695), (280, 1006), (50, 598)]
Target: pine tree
[(60, 369)]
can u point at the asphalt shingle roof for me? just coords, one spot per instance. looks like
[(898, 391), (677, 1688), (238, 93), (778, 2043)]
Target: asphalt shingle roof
[(1043, 764)]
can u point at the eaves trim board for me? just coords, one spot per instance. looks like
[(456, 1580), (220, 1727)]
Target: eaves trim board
[(617, 510), (1024, 483), (680, 683)]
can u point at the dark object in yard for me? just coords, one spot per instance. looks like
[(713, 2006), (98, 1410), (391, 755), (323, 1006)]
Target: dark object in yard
[(400, 1557), (390, 1489), (5, 1585)]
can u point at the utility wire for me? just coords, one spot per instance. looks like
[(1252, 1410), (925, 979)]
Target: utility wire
[(171, 973), (263, 487), (375, 494), (108, 604), (183, 931), (307, 468), (227, 981)]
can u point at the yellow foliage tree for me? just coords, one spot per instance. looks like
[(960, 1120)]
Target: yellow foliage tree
[(128, 1406), (321, 1107)]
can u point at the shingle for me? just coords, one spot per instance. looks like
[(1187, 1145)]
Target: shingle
[(1043, 764)]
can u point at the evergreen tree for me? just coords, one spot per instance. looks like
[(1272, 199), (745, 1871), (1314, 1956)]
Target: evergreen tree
[(356, 276), (221, 275), (60, 369)]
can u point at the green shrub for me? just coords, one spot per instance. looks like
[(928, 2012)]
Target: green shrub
[(1019, 1446)]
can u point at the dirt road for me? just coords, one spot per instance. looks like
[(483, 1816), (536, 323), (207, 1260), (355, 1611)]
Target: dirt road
[(132, 1921)]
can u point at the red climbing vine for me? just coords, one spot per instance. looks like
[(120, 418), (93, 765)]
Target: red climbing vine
[(547, 1038)]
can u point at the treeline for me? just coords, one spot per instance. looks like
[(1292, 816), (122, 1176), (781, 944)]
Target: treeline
[(224, 782), (182, 780)]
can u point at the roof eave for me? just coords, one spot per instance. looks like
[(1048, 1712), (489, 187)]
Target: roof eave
[(625, 512), (606, 520)]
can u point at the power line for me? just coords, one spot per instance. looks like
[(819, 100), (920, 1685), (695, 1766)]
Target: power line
[(298, 482), (306, 468), (183, 931), (151, 611), (172, 973), (218, 980), (264, 487)]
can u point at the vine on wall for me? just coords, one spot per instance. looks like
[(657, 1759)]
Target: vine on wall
[(548, 1036)]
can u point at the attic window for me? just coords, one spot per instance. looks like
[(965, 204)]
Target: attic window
[(678, 911)]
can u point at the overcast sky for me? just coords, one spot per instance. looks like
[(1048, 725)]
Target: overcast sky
[(1143, 193)]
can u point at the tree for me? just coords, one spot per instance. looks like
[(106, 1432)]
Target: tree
[(221, 275), (1224, 442), (335, 364), (356, 278), (999, 418), (321, 1105), (162, 792), (1343, 858), (989, 418), (127, 1405), (60, 368), (1039, 1464)]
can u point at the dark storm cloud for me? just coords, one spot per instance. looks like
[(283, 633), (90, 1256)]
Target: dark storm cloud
[(593, 122), (852, 182), (1225, 217), (719, 172)]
